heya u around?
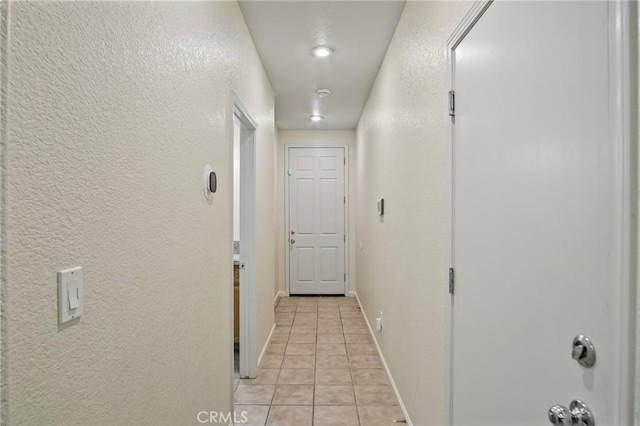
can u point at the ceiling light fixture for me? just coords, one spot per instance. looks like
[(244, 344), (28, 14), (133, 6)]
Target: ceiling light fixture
[(322, 51), (316, 118), (323, 93)]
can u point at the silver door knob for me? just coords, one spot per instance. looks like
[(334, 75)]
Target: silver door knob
[(578, 414), (581, 414), (560, 415)]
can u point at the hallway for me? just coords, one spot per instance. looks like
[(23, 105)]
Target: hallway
[(320, 368), (464, 171)]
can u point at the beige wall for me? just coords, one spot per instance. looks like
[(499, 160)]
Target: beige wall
[(636, 65), (401, 156), (345, 138), (114, 108), (3, 226)]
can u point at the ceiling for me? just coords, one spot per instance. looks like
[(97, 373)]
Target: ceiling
[(284, 33)]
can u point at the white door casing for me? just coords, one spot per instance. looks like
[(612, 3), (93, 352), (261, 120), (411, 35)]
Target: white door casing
[(540, 213), (316, 235), (243, 119)]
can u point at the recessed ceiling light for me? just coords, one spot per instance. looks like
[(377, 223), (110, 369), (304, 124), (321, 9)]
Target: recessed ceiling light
[(316, 118), (323, 93), (322, 51)]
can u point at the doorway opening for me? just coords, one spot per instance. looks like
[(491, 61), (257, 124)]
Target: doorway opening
[(244, 242)]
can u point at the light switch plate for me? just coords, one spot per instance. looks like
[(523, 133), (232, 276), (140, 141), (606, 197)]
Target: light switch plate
[(69, 294)]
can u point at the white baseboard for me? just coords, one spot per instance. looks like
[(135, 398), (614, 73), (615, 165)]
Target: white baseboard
[(384, 363), (353, 294), (266, 344), (277, 297)]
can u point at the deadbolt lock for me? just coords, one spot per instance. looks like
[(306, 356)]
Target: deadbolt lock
[(583, 351)]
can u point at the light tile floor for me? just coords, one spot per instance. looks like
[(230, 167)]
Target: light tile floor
[(321, 368)]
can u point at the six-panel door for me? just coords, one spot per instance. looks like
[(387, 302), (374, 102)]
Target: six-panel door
[(316, 236)]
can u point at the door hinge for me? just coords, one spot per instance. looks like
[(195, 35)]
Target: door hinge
[(452, 103), (344, 160), (345, 277), (451, 281), (344, 199), (345, 238)]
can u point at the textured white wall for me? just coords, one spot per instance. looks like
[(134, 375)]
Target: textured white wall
[(3, 240), (345, 138), (402, 269), (114, 109), (637, 68)]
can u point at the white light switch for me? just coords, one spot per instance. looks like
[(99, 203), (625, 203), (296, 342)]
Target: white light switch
[(69, 294), (72, 291)]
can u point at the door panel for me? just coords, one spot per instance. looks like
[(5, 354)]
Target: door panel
[(304, 163), (316, 218), (328, 164), (534, 213), (305, 264), (305, 196), (329, 193), (328, 264)]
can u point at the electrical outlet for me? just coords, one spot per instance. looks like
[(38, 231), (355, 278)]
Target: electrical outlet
[(379, 323)]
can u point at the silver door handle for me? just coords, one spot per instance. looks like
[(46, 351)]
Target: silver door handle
[(560, 415), (292, 241), (578, 414)]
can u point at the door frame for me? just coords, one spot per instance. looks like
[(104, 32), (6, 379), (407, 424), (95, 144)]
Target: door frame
[(287, 259), (248, 281), (622, 107)]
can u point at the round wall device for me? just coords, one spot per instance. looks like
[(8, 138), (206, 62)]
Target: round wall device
[(206, 179)]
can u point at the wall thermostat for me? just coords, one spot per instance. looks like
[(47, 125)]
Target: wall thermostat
[(213, 182), (380, 207), (210, 181)]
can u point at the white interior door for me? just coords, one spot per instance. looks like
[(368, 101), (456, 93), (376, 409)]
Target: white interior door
[(535, 215), (317, 234)]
